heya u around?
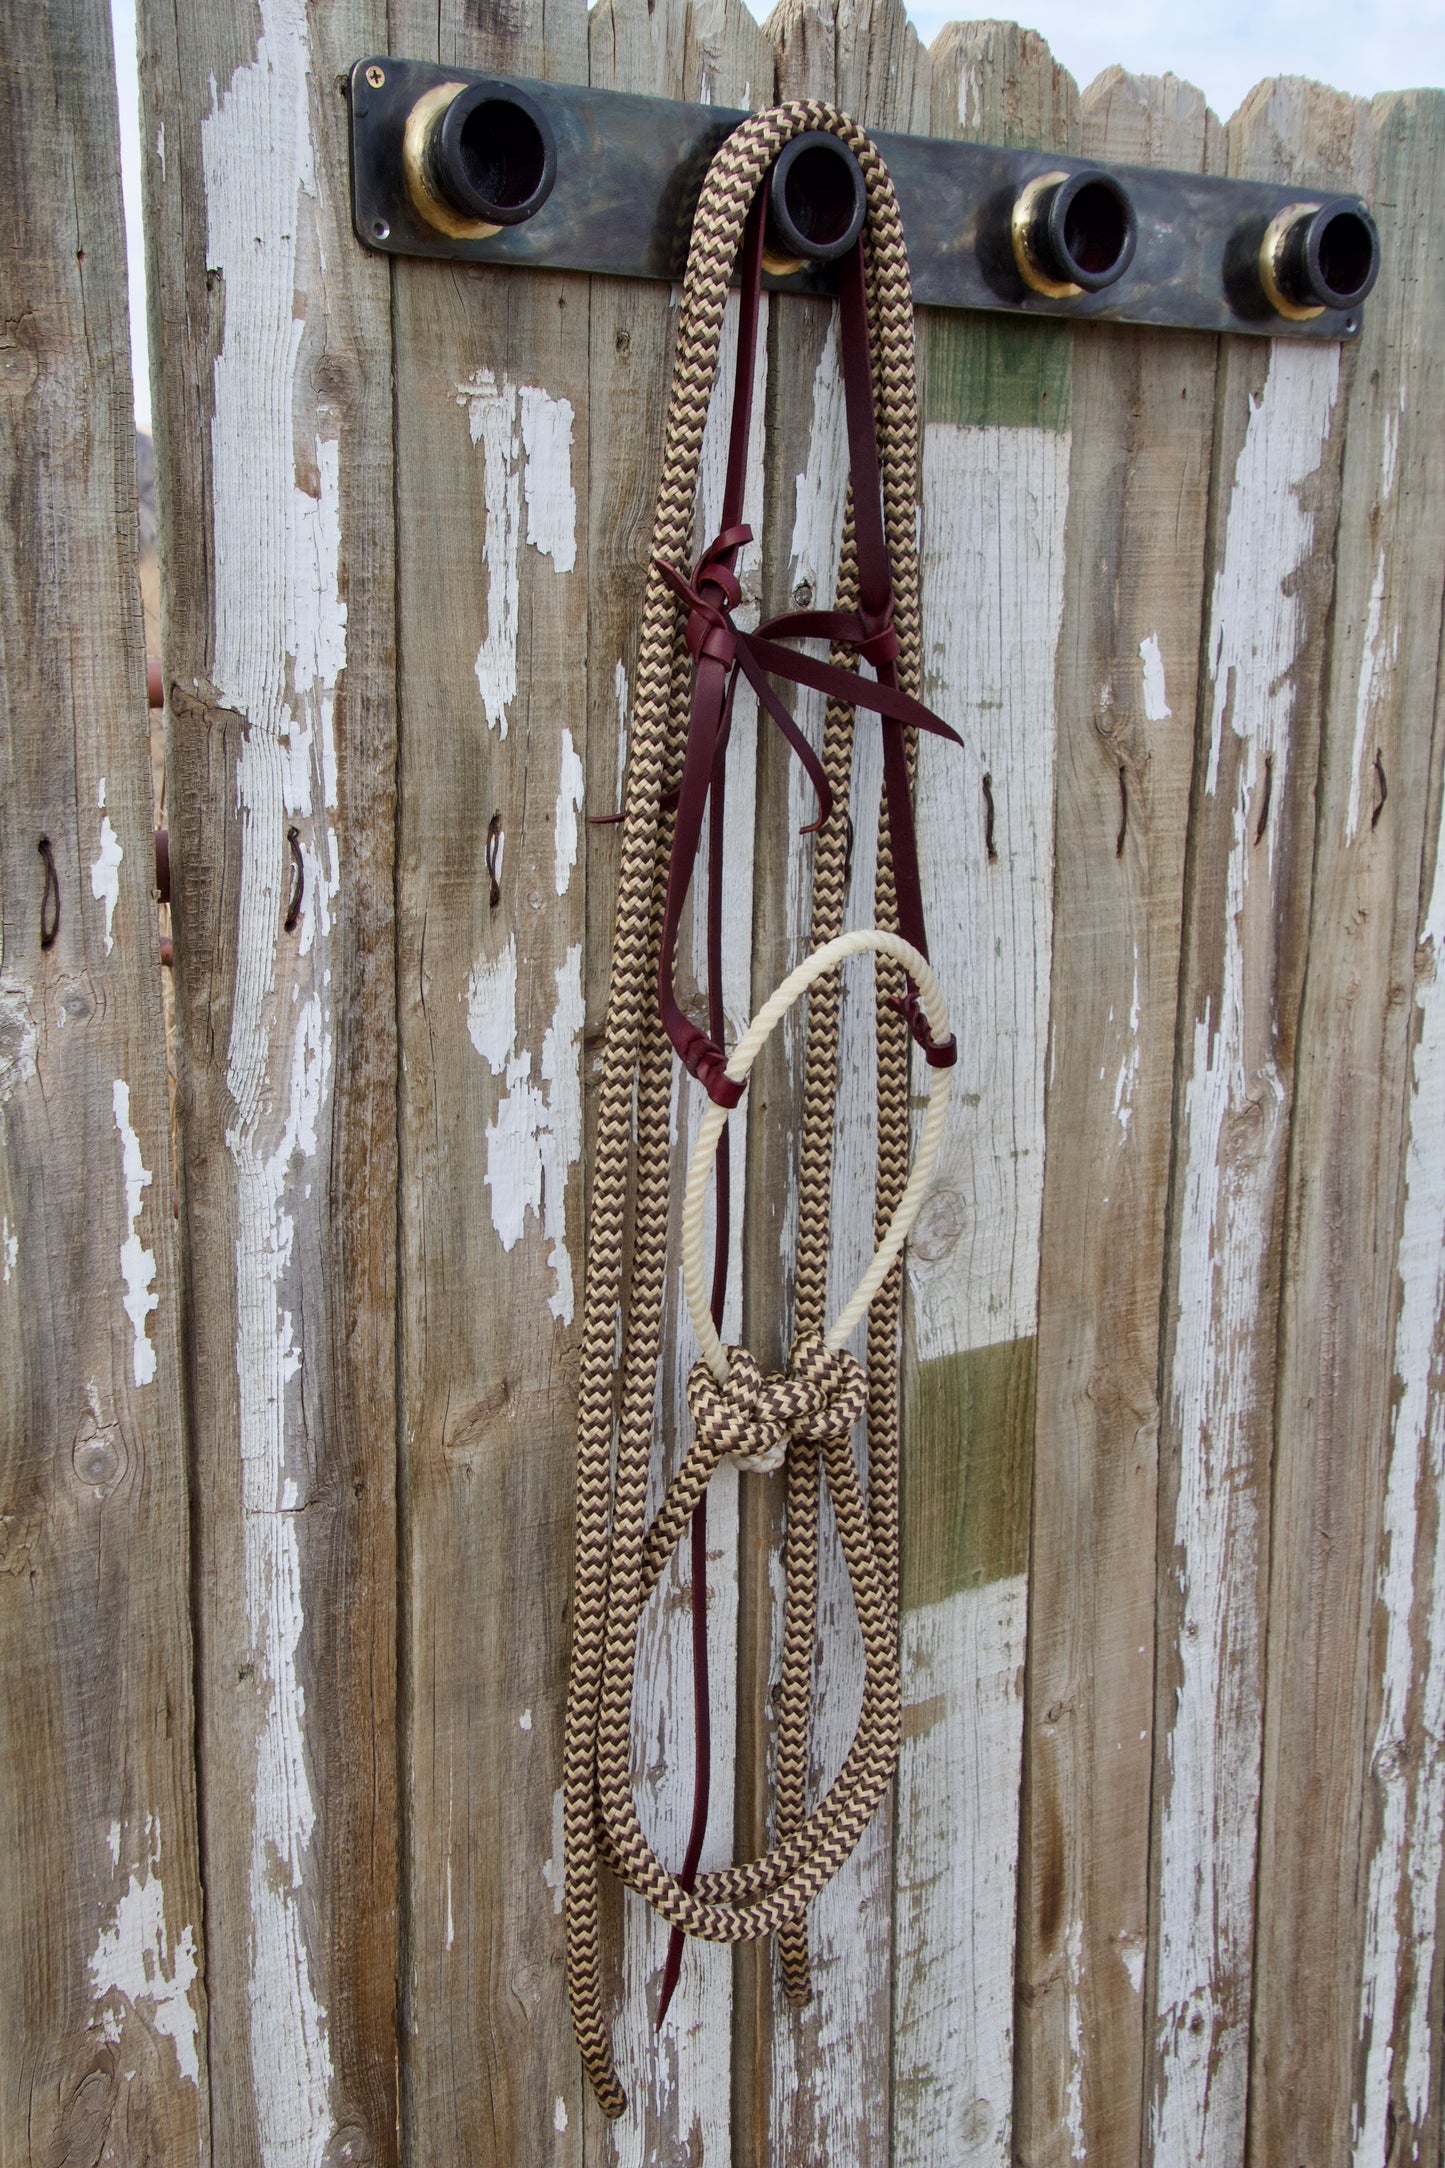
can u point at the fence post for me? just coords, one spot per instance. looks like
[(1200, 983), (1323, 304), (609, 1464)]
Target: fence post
[(272, 341), (102, 1994)]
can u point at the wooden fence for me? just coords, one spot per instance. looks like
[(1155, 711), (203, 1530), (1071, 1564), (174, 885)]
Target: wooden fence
[(286, 1476)]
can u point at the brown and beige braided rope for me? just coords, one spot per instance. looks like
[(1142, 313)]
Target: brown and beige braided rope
[(813, 1408)]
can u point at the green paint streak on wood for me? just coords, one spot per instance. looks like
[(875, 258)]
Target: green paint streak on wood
[(968, 1432), (1012, 372)]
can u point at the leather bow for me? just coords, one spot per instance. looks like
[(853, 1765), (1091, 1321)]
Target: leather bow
[(723, 650)]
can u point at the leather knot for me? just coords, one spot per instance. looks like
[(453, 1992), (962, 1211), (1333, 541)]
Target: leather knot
[(710, 630), (752, 1419), (708, 1063), (880, 643), (938, 1053)]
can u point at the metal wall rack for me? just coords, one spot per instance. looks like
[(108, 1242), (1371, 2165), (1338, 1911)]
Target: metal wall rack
[(481, 169)]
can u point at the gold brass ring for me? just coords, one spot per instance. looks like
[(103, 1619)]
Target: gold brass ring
[(1271, 249), (1025, 210), (422, 123)]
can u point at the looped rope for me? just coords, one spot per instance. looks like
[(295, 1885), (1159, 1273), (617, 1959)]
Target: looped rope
[(892, 1237), (620, 1556), (750, 1419)]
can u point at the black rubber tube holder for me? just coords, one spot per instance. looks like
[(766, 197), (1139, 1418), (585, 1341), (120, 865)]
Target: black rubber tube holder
[(817, 201), (1073, 233), (488, 169)]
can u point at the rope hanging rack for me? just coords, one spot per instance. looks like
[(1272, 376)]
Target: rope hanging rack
[(801, 1421)]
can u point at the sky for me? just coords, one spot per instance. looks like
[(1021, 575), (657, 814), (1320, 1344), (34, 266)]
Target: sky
[(1225, 46)]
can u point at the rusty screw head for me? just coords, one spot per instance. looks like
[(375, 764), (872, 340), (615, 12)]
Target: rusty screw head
[(375, 76)]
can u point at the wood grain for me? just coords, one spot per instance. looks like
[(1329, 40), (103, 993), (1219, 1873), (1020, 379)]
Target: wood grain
[(1398, 2049), (995, 492), (274, 442), (1142, 437), (102, 1960), (1323, 1801), (1164, 1879), (491, 463), (1270, 569)]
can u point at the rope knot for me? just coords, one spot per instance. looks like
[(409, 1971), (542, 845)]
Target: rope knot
[(752, 1418), (837, 1378)]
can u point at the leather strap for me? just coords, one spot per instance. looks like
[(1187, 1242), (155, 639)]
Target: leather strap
[(723, 651)]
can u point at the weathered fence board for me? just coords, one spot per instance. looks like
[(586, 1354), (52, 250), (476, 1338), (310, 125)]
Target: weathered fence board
[(1397, 2033), (274, 426), (1398, 2039), (1271, 565), (491, 476), (102, 1962), (1143, 421), (1334, 1391), (995, 493), (1162, 1879)]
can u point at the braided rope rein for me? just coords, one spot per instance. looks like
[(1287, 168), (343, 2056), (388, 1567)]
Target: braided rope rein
[(618, 1558)]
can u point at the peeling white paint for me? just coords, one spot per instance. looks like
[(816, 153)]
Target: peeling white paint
[(526, 441), (1380, 648), (551, 499), (137, 1264), (995, 501), (1407, 1759), (279, 650), (161, 147), (9, 1251), (821, 489), (524, 1721), (1074, 2097), (1270, 526), (569, 804), (994, 512), (1128, 1078), (559, 2115), (492, 419), (1156, 704), (972, 90), (105, 873), (1232, 1139), (492, 1006), (535, 1137), (449, 1935), (955, 1886), (624, 704), (553, 1871), (19, 1037), (139, 1968)]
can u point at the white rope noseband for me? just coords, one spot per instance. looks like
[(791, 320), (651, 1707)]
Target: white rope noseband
[(704, 1151)]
